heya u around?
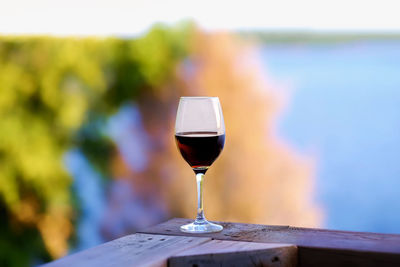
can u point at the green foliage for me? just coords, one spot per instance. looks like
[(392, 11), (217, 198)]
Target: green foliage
[(57, 93)]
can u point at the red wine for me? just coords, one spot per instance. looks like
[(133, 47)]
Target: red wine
[(200, 149)]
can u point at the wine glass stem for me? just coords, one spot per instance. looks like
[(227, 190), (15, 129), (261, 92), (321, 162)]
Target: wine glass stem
[(200, 212)]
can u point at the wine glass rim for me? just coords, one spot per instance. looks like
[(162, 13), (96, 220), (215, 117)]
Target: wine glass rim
[(199, 97)]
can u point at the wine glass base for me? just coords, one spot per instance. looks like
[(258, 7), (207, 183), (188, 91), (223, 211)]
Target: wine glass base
[(201, 228)]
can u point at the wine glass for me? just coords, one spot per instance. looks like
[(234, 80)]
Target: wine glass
[(200, 137)]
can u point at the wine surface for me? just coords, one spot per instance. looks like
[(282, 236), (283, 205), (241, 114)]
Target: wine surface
[(200, 149)]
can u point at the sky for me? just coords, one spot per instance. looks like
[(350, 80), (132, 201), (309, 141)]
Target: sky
[(129, 18)]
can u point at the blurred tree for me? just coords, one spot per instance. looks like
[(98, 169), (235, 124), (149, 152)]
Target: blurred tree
[(57, 93)]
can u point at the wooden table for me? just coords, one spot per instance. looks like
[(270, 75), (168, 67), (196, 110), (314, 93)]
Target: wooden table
[(241, 245)]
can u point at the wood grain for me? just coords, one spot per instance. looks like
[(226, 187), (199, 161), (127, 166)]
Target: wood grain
[(308, 237), (317, 247), (132, 250), (334, 257), (235, 253), (241, 245)]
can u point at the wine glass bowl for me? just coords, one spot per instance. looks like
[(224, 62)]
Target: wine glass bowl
[(200, 137)]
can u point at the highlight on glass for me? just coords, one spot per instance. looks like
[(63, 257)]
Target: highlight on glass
[(200, 137)]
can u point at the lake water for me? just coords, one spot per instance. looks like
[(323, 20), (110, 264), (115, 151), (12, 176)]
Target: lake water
[(345, 112)]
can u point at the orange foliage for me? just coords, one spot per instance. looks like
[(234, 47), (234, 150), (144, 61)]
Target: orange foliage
[(55, 228), (257, 179)]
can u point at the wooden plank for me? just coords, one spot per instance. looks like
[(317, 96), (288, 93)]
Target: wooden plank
[(316, 246), (132, 250), (334, 258), (235, 253), (307, 237)]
